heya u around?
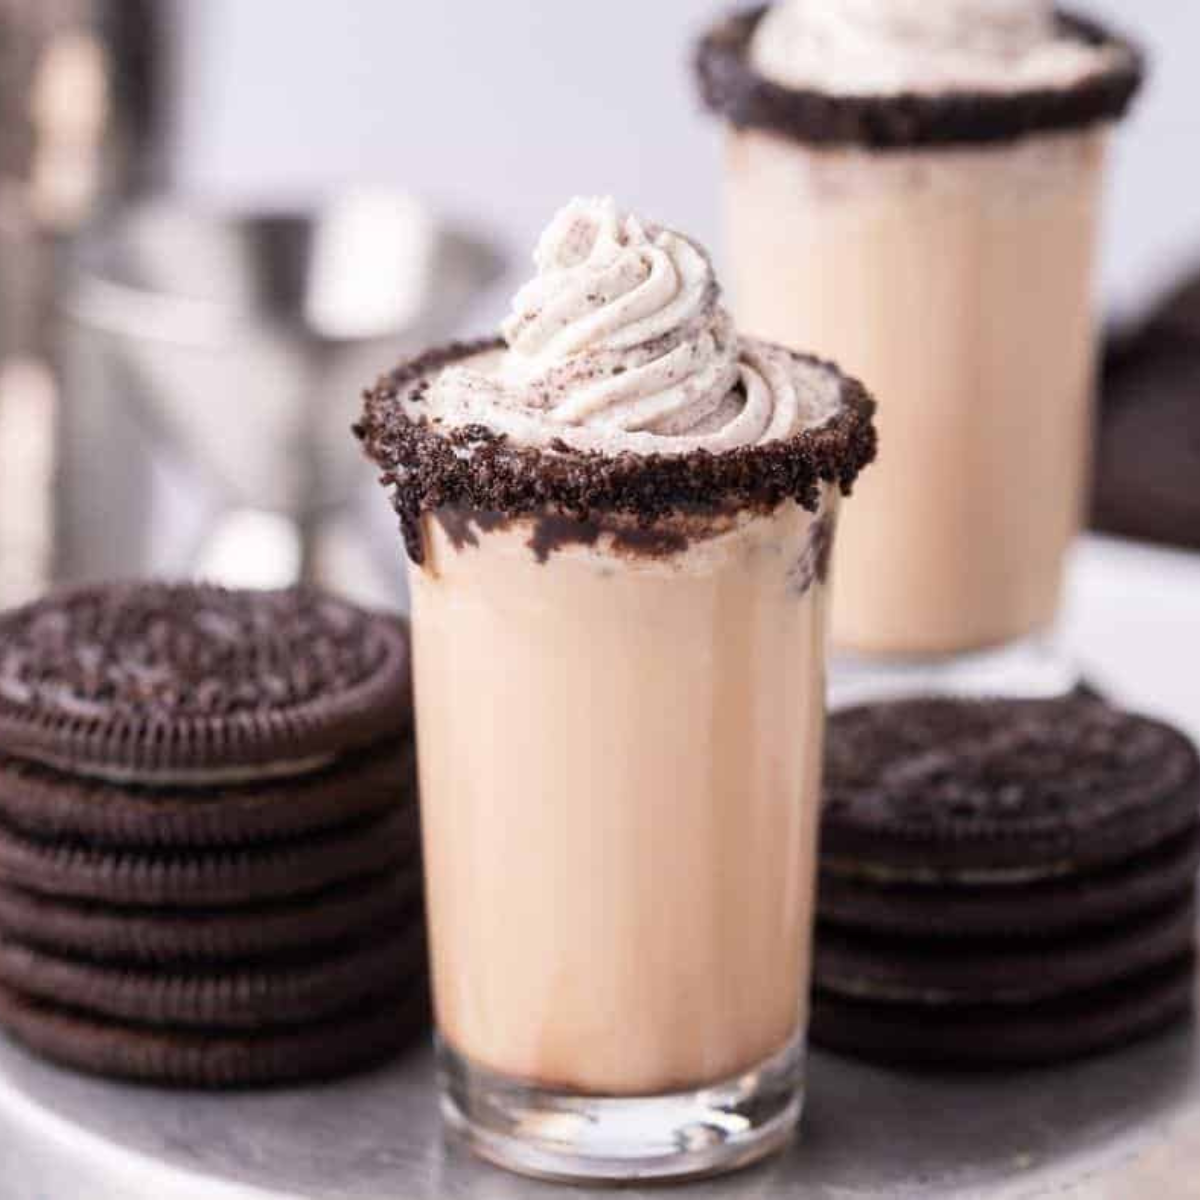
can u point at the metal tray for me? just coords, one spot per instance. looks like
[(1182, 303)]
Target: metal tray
[(1126, 1125)]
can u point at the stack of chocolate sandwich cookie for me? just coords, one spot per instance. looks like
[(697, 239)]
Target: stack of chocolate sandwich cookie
[(1003, 881), (209, 859)]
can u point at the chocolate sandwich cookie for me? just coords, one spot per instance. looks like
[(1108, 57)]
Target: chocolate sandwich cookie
[(189, 685), (215, 1058), (1005, 1035), (209, 837), (944, 973), (1003, 881), (1147, 476), (1000, 791), (1043, 909), (1177, 318), (42, 803), (274, 991), (189, 879), (136, 934)]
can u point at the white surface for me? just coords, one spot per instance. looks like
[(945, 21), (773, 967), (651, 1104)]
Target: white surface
[(1123, 1127), (502, 110), (46, 1157), (1132, 618)]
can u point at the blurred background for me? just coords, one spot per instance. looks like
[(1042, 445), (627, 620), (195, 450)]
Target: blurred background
[(498, 111), (175, 384)]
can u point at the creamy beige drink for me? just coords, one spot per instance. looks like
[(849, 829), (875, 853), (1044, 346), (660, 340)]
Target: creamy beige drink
[(620, 888), (917, 194), (620, 524), (944, 279)]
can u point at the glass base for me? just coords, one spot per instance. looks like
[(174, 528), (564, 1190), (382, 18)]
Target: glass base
[(1034, 668), (570, 1137)]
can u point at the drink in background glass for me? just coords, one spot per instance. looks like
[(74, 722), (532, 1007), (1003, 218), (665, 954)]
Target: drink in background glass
[(914, 189), (619, 528)]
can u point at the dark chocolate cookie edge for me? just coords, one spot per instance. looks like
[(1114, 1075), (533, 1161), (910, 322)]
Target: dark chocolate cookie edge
[(731, 87), (429, 469)]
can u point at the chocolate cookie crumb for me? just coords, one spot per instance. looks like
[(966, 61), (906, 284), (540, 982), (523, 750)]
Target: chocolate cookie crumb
[(429, 467), (815, 560), (732, 87)]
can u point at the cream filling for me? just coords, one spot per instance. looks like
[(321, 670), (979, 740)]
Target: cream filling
[(194, 778)]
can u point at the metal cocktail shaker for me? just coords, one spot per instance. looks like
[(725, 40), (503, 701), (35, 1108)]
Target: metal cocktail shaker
[(81, 101), (212, 364)]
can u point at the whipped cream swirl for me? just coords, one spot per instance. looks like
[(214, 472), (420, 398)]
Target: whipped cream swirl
[(882, 47), (620, 342)]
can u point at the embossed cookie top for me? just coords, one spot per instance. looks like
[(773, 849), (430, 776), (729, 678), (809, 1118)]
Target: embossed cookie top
[(148, 678), (1005, 786)]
